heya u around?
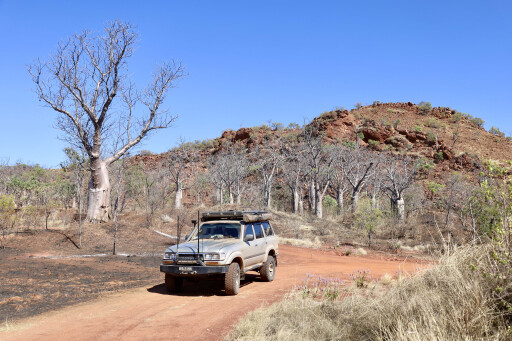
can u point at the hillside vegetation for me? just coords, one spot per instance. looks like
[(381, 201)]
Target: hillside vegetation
[(397, 175)]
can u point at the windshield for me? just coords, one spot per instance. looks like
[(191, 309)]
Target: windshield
[(218, 231)]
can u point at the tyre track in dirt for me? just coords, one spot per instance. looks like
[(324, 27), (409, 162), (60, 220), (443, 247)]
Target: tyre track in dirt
[(201, 311)]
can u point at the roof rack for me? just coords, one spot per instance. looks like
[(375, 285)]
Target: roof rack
[(246, 216)]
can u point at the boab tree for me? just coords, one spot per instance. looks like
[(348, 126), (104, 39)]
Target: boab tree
[(87, 82), (399, 173)]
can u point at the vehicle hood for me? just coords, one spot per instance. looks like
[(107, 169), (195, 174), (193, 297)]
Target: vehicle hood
[(216, 245)]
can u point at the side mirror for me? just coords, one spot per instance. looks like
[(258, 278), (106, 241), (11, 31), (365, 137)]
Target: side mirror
[(248, 237), (187, 236)]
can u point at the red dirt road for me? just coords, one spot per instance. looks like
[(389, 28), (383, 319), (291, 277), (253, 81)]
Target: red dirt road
[(200, 312)]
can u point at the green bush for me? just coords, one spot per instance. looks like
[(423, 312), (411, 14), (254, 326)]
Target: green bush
[(432, 122), (496, 131), (418, 129), (368, 218), (373, 144), (424, 108)]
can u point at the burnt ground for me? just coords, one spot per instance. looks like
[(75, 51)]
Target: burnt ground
[(42, 270), (31, 286)]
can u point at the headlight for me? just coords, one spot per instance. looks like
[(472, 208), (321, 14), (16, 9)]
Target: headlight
[(170, 255), (215, 256)]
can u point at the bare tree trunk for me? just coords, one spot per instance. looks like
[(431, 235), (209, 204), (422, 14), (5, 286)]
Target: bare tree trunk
[(231, 200), (374, 200), (99, 192), (398, 208), (318, 204), (295, 200), (179, 196), (311, 195), (339, 200), (266, 196), (355, 201), (221, 195)]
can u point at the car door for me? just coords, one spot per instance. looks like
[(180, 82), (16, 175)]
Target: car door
[(250, 250), (260, 243)]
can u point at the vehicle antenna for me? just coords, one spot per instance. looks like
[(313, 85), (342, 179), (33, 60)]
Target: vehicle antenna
[(198, 221), (178, 232)]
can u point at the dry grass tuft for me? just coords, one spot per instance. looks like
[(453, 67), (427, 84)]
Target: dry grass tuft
[(386, 279), (314, 244), (451, 301), (360, 252)]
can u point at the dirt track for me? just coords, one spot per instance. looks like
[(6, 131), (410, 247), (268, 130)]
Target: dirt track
[(200, 312)]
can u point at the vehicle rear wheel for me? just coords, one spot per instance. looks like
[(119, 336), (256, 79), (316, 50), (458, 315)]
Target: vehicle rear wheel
[(232, 279), (268, 270), (173, 284)]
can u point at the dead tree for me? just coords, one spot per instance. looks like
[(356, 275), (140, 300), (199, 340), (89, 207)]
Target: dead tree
[(267, 161), (215, 174), (293, 172), (87, 83), (339, 183), (359, 165), (374, 186), (77, 163), (119, 173), (319, 162), (399, 173), (228, 169), (179, 163)]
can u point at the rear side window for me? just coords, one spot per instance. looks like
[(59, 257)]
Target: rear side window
[(248, 230), (258, 230), (268, 229)]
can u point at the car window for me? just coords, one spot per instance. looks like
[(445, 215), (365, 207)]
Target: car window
[(258, 230), (219, 231), (268, 229), (248, 230)]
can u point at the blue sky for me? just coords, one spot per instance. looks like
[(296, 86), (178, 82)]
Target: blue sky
[(254, 61)]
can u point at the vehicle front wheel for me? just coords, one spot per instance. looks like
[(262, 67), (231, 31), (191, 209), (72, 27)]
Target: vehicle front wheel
[(232, 279), (268, 270), (173, 284)]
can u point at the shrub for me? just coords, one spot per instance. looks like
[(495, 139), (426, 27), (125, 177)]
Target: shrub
[(496, 131), (425, 165), (424, 108), (373, 144), (456, 117), (476, 121), (358, 105), (432, 122), (434, 187), (349, 144), (368, 218), (418, 129)]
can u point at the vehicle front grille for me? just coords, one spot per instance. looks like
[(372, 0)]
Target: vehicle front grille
[(188, 258)]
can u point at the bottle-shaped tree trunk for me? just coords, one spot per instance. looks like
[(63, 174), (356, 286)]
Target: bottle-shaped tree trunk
[(99, 192), (179, 196)]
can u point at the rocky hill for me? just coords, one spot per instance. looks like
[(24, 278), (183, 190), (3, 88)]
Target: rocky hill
[(451, 140)]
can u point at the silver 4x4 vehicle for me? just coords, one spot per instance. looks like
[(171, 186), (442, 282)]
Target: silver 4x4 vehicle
[(224, 244)]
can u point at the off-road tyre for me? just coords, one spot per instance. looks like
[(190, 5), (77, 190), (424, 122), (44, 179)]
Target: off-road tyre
[(173, 284), (232, 279), (268, 270)]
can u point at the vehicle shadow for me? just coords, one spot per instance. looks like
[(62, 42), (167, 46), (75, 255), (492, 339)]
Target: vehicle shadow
[(203, 287)]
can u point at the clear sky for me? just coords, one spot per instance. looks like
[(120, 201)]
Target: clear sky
[(254, 61)]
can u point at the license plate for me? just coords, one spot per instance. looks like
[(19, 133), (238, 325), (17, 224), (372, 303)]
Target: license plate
[(185, 268)]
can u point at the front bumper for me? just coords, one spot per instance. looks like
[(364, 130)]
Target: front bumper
[(193, 270)]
